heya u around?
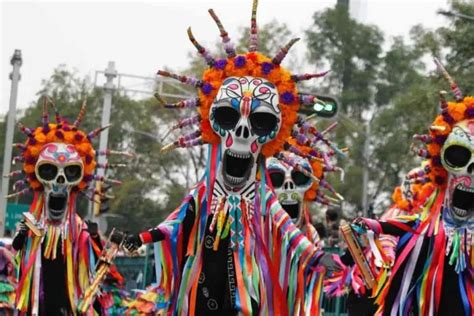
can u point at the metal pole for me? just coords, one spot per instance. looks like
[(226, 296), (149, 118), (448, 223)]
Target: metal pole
[(365, 175), (110, 73), (16, 62)]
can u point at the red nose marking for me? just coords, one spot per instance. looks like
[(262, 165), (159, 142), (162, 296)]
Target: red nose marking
[(245, 106)]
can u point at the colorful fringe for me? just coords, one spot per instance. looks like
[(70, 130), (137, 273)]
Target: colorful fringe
[(76, 250), (7, 282), (274, 262), (427, 289)]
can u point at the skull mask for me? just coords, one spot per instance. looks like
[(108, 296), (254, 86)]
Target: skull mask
[(458, 160), (59, 168), (246, 115), (290, 185)]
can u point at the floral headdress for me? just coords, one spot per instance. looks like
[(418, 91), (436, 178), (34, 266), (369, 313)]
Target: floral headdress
[(451, 114), (252, 64)]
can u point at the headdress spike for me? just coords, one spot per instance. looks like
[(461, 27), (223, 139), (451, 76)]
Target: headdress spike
[(97, 131), (25, 130), (22, 192), (81, 114), (188, 121), (454, 87), (15, 173), (57, 117), (283, 51), (189, 103), (202, 51), (228, 46), (297, 78), (183, 79), (45, 112), (182, 142), (253, 40)]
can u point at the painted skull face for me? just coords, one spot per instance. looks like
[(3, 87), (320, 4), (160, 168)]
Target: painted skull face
[(290, 185), (59, 168), (246, 115), (457, 158)]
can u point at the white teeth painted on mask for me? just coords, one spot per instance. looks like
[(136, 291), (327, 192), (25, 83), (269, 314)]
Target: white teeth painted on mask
[(461, 187), (239, 155), (234, 180), (459, 211)]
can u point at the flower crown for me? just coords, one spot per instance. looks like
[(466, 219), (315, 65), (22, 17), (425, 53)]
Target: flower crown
[(59, 132)]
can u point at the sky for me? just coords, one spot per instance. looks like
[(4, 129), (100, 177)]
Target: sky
[(144, 36)]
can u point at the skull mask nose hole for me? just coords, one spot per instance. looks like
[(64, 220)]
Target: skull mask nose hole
[(470, 169), (242, 131), (289, 185), (61, 179)]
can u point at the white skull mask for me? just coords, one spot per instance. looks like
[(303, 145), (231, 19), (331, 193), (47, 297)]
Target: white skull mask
[(246, 115), (59, 168), (290, 185), (457, 159)]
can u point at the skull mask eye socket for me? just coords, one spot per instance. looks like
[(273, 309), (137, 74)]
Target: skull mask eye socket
[(457, 156), (277, 177), (263, 123), (299, 178), (73, 173), (47, 171), (226, 117)]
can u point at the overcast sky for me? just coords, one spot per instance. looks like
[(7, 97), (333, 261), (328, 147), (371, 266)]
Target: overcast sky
[(144, 36)]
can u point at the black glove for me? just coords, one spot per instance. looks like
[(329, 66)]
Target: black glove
[(132, 243), (23, 228), (117, 237), (92, 228)]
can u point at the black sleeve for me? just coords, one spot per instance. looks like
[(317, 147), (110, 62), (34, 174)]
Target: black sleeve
[(394, 230), (347, 259), (18, 241)]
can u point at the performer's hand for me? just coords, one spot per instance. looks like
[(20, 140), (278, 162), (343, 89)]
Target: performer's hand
[(359, 221), (92, 228), (23, 228), (117, 237), (132, 243)]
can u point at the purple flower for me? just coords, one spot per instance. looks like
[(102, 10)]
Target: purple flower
[(88, 159), (220, 64), (448, 118), (46, 129), (436, 160), (206, 88), (469, 112), (87, 178), (287, 97), (239, 61), (78, 137), (59, 134), (266, 68), (30, 160), (439, 139)]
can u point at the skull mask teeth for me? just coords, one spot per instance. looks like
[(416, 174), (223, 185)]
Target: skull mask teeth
[(59, 168), (290, 185), (246, 115), (458, 160)]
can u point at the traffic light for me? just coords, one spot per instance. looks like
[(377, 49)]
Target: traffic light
[(324, 106)]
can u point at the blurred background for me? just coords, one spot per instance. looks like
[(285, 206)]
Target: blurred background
[(379, 53)]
